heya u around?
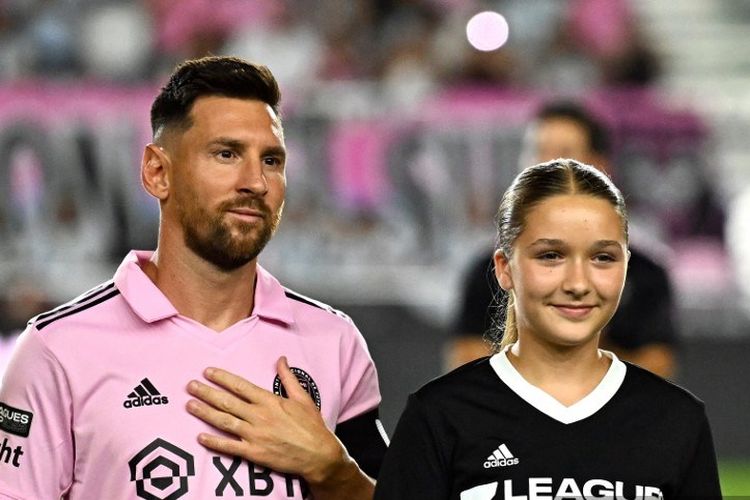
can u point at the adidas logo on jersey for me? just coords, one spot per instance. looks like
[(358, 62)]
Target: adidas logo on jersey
[(501, 457), (145, 394)]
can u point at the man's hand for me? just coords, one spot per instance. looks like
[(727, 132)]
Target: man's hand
[(287, 435)]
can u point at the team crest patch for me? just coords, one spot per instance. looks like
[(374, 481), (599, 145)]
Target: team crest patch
[(14, 420), (305, 380)]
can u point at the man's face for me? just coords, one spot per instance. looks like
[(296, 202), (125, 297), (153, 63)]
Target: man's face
[(227, 180), (554, 138)]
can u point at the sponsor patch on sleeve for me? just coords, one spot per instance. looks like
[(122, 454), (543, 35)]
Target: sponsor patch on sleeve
[(14, 420)]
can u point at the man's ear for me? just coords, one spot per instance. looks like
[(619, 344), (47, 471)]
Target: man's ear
[(502, 270), (154, 171)]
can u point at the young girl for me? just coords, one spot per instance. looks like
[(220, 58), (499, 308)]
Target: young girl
[(550, 415)]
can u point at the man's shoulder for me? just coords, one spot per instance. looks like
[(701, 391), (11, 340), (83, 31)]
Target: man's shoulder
[(281, 299), (307, 305), (88, 306)]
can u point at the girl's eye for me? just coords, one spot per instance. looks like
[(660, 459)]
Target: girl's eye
[(549, 256), (604, 257)]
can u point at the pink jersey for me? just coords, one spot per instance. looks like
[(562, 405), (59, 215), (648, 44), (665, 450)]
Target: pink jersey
[(93, 401)]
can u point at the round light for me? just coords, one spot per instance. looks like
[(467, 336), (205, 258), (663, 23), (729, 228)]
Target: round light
[(487, 31)]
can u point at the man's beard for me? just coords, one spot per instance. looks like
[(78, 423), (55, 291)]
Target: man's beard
[(209, 235)]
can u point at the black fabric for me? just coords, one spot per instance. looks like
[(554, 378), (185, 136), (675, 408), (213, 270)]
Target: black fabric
[(649, 434), (364, 441), (645, 314)]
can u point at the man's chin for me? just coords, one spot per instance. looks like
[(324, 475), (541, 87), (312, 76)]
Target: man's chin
[(238, 254), (229, 257), (240, 228), (229, 263)]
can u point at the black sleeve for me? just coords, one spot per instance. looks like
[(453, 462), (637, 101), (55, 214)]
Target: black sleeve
[(701, 479), (414, 467), (479, 291), (365, 440), (646, 314)]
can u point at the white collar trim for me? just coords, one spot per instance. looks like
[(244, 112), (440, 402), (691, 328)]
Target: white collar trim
[(551, 407)]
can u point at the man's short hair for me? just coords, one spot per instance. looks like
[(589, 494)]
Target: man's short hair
[(598, 135), (210, 76)]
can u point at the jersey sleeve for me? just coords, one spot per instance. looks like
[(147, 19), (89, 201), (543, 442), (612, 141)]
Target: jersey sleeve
[(701, 479), (358, 426), (415, 465), (36, 447), (360, 391)]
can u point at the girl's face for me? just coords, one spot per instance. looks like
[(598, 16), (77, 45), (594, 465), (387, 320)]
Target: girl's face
[(567, 269)]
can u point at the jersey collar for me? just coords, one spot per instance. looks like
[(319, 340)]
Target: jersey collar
[(143, 296), (151, 305), (271, 301), (551, 407)]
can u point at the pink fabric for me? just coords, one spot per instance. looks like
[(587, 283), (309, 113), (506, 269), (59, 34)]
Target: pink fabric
[(78, 372)]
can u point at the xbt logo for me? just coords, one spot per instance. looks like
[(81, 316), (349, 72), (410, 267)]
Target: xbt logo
[(162, 471)]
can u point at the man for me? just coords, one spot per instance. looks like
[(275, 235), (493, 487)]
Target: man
[(194, 373), (642, 331)]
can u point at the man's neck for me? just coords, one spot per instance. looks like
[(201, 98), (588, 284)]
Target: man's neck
[(200, 291)]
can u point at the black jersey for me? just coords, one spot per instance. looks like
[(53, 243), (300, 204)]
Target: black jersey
[(482, 432)]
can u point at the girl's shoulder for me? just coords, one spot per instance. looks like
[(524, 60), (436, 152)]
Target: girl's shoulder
[(647, 388)]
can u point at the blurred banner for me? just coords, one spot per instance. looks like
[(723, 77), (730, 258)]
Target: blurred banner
[(384, 205)]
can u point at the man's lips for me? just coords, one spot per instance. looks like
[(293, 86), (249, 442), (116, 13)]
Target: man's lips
[(248, 214)]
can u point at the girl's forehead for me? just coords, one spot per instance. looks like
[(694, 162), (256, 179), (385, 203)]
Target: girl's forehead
[(572, 201), (574, 216)]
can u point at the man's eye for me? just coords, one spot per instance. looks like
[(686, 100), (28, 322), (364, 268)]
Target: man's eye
[(225, 154)]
